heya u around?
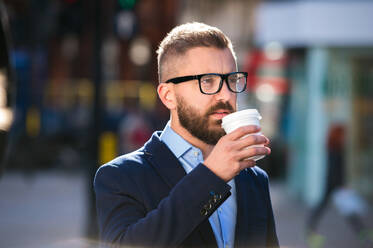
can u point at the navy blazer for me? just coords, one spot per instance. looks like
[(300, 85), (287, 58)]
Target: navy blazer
[(145, 198)]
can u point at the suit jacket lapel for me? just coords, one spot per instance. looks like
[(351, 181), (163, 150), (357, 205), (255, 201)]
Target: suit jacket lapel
[(242, 187), (164, 161), (171, 171)]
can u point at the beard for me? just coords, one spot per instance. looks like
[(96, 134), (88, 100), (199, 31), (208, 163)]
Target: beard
[(199, 125)]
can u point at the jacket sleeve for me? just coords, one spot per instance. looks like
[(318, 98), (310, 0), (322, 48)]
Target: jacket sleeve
[(124, 220)]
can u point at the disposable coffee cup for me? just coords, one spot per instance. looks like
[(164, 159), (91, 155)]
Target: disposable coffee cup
[(243, 118)]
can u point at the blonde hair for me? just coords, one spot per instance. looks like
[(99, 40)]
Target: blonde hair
[(187, 36)]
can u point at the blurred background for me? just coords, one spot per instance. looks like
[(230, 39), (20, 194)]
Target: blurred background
[(78, 87)]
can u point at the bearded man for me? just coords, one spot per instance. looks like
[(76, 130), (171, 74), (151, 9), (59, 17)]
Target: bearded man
[(191, 185)]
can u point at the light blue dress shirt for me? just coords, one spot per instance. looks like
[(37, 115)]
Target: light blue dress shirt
[(223, 220)]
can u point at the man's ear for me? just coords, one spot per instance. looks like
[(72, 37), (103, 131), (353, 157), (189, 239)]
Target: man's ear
[(167, 95)]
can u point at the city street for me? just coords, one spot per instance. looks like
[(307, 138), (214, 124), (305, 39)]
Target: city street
[(48, 209)]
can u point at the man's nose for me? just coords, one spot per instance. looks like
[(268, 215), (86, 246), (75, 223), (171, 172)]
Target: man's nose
[(224, 93)]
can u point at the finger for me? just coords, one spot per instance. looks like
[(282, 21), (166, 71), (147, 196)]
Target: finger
[(269, 150), (252, 139), (253, 151), (242, 131)]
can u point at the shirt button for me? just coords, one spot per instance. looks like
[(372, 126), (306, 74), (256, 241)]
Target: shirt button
[(196, 154)]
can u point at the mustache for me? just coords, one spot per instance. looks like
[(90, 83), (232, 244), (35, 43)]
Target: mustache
[(220, 105)]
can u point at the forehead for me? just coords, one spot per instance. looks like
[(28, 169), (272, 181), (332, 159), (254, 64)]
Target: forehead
[(201, 60)]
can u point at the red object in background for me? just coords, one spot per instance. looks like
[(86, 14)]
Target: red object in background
[(263, 70), (336, 137), (139, 136)]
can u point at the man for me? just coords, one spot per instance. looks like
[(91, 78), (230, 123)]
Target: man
[(190, 185)]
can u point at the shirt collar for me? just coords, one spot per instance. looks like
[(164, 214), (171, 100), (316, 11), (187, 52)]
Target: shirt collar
[(174, 141)]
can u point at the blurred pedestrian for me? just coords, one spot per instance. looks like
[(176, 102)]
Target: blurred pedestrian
[(335, 173), (346, 200), (191, 185)]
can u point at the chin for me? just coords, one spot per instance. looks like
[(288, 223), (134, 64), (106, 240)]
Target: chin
[(216, 127)]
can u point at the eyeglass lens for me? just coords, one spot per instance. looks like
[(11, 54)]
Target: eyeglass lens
[(210, 83)]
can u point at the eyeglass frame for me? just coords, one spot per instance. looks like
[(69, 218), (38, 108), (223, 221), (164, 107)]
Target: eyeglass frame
[(223, 77)]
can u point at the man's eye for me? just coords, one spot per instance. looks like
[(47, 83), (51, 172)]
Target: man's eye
[(207, 80), (234, 78)]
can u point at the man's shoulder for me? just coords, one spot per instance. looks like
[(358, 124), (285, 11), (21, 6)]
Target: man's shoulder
[(133, 160), (123, 170), (127, 162), (258, 173)]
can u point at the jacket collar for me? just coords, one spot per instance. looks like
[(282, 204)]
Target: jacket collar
[(163, 160)]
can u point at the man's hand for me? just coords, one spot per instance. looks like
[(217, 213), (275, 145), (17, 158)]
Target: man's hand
[(229, 155)]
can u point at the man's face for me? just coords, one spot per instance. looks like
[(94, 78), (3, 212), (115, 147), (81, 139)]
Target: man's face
[(198, 113), (202, 125)]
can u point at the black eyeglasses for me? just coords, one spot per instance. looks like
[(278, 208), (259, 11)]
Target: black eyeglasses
[(211, 83)]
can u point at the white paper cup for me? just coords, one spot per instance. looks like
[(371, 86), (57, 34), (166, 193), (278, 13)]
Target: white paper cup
[(243, 118)]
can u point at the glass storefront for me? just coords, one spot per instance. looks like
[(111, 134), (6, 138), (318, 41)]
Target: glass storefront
[(345, 90)]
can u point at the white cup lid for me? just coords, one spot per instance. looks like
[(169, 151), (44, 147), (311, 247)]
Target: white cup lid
[(247, 113)]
